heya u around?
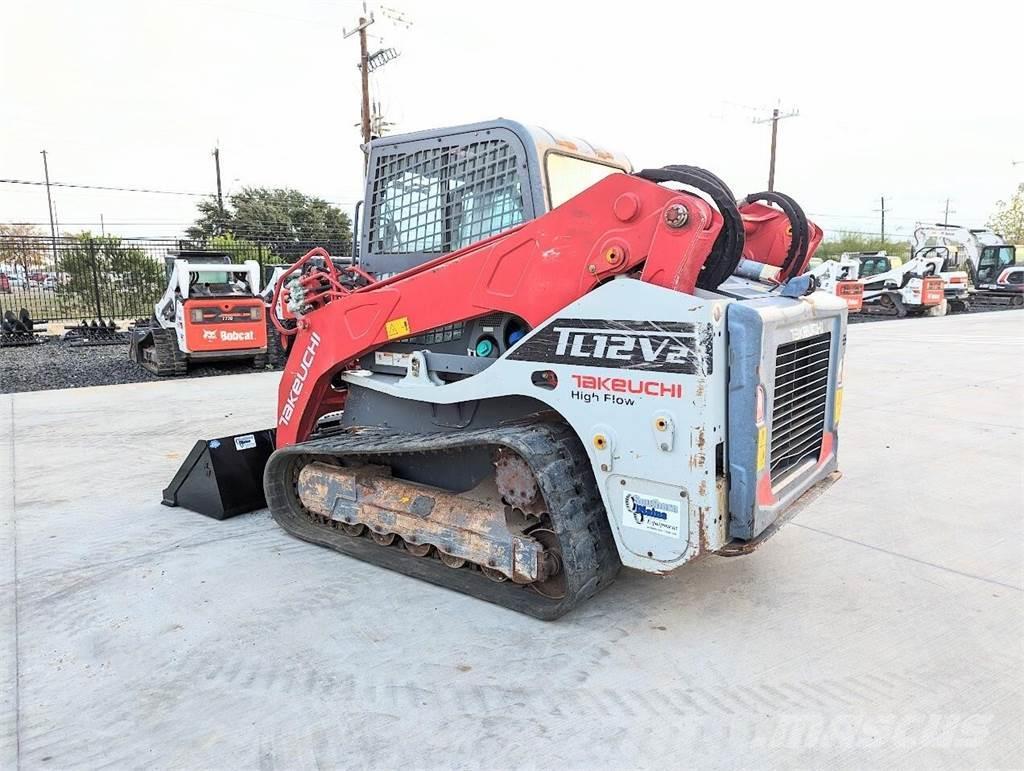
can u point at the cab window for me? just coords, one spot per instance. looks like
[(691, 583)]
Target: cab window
[(874, 265), (993, 259), (569, 176)]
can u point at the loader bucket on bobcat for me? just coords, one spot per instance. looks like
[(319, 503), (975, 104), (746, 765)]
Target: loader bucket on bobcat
[(223, 477)]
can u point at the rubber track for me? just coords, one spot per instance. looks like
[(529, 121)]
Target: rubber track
[(169, 359), (558, 461)]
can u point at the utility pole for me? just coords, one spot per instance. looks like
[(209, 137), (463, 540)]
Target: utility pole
[(883, 210), (776, 117), (220, 196), (103, 230), (945, 218), (49, 206), (364, 69)]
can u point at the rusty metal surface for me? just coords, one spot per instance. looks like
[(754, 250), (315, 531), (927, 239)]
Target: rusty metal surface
[(458, 526), (516, 483)]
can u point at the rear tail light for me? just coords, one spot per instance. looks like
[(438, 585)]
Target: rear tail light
[(759, 408), (197, 315), (256, 312)]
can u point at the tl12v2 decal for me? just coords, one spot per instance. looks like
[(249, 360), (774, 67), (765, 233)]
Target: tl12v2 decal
[(665, 346)]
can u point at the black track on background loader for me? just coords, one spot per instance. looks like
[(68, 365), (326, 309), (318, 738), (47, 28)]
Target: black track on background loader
[(156, 350)]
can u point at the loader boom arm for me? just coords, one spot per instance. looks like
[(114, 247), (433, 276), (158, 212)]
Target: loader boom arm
[(621, 225)]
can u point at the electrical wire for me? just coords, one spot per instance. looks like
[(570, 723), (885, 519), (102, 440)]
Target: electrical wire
[(102, 187), (42, 183)]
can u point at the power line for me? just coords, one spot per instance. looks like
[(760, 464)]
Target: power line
[(103, 187), (41, 183)]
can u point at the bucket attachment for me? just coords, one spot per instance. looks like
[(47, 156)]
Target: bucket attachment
[(223, 477)]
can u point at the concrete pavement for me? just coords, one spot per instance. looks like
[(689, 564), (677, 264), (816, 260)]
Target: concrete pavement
[(883, 626)]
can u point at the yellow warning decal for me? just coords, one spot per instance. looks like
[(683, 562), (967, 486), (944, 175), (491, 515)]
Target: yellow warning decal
[(762, 437), (397, 327), (838, 409)]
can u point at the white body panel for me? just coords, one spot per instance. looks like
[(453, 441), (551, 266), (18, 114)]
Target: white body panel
[(675, 463)]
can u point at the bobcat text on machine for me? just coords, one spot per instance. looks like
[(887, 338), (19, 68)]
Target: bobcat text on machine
[(545, 366), (210, 311)]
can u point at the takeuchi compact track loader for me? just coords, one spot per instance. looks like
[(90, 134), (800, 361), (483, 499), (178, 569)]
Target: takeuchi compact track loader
[(211, 311), (544, 366)]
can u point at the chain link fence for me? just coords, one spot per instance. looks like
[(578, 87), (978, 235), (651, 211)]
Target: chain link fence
[(70, 278)]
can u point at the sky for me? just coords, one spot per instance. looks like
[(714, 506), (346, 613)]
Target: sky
[(917, 102)]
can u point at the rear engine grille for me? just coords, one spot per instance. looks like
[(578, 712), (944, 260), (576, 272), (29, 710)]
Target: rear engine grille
[(798, 407)]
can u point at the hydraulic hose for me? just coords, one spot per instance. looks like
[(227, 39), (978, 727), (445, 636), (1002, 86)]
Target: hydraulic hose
[(800, 240), (728, 247)]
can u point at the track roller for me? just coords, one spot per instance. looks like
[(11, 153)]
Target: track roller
[(334, 489)]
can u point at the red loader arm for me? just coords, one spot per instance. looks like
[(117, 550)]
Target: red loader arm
[(770, 237), (621, 225)]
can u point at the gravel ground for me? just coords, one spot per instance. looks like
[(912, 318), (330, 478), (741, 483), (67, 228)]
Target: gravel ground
[(57, 364)]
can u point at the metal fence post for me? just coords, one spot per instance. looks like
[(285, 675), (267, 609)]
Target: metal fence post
[(95, 277)]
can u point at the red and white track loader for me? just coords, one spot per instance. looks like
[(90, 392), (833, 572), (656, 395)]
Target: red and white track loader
[(545, 366)]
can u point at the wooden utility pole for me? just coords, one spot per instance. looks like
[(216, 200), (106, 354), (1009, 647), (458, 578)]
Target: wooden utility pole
[(216, 164), (775, 118), (220, 195), (945, 216), (364, 70), (882, 210), (49, 205)]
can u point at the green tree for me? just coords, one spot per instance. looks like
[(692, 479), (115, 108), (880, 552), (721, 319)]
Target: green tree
[(240, 249), (127, 280), (830, 249), (23, 245), (281, 218), (1008, 218)]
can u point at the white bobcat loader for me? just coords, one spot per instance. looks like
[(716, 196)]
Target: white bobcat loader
[(210, 311)]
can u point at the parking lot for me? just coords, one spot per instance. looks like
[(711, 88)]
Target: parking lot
[(882, 626)]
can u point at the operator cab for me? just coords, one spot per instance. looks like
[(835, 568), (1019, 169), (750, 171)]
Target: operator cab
[(433, 192), (993, 260)]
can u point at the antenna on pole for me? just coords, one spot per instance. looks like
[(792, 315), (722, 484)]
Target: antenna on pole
[(364, 68), (373, 121), (776, 116)]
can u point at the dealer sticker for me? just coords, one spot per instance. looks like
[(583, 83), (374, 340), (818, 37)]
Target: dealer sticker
[(245, 442), (655, 515)]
